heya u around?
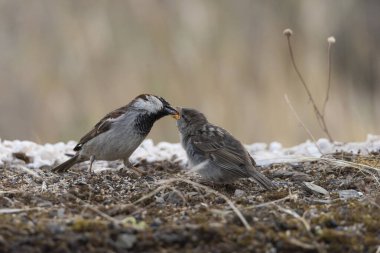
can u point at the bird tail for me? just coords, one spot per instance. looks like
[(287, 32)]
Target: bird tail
[(63, 167), (262, 180)]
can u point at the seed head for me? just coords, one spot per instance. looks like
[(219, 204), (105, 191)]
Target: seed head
[(287, 32), (331, 40)]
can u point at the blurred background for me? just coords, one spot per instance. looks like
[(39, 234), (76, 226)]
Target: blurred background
[(64, 64)]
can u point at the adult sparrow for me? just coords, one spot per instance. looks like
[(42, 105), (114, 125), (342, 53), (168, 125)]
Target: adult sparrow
[(120, 132)]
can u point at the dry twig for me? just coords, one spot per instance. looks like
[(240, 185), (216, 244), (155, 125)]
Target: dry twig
[(302, 124), (319, 115), (295, 215), (97, 211), (369, 170), (289, 196), (166, 184), (300, 244), (18, 210), (28, 171), (330, 40)]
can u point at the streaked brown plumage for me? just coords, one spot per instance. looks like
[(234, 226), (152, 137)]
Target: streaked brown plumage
[(214, 152)]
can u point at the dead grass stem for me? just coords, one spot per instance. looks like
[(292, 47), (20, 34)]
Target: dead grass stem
[(318, 113), (166, 184), (301, 122)]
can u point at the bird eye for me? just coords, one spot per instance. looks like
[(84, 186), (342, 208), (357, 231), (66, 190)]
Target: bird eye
[(185, 118)]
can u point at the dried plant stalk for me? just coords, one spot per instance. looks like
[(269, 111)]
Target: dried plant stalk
[(319, 115)]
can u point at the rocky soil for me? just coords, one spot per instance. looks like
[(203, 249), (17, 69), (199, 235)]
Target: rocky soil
[(328, 205)]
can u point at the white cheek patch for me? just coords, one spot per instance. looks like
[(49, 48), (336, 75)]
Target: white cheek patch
[(152, 105)]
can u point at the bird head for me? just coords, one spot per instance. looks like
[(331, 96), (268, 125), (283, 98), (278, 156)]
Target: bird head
[(154, 105), (190, 119)]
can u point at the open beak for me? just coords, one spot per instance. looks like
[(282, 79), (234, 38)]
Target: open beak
[(171, 111)]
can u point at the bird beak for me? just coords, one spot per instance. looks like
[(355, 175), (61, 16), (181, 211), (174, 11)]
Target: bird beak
[(178, 115), (171, 111)]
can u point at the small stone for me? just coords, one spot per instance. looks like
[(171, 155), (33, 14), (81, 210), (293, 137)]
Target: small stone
[(315, 188), (191, 194), (239, 193), (160, 200), (156, 222), (149, 178), (22, 156), (125, 241), (45, 204), (61, 212), (203, 207), (55, 228), (219, 200), (349, 194), (2, 240), (173, 198)]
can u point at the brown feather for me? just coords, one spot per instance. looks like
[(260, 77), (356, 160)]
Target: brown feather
[(102, 126)]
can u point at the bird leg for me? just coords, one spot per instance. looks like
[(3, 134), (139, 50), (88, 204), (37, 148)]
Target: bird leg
[(128, 165), (92, 159)]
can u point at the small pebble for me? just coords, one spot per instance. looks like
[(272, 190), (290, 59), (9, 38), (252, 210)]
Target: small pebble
[(160, 200), (61, 212), (349, 194), (239, 193), (125, 241), (173, 198)]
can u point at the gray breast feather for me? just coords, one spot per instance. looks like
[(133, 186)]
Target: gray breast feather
[(119, 141)]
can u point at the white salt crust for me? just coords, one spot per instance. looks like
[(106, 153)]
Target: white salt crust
[(264, 154)]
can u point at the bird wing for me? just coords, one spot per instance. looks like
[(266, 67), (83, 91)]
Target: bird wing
[(102, 126), (252, 160), (222, 149)]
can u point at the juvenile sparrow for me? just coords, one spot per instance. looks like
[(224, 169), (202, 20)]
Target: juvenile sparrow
[(120, 132), (214, 153)]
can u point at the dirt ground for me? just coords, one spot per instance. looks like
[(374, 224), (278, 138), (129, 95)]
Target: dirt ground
[(119, 211)]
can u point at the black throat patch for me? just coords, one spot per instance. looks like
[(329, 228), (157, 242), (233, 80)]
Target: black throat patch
[(144, 122)]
